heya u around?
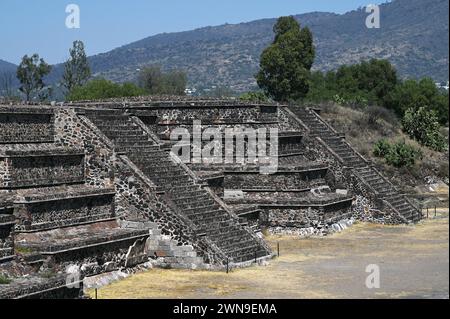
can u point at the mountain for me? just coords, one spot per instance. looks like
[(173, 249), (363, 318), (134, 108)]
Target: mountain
[(414, 36), (7, 67)]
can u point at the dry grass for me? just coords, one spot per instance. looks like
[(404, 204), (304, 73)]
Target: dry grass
[(414, 261), (362, 136)]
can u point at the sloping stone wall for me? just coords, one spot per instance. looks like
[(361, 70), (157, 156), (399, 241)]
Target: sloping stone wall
[(337, 178), (72, 132)]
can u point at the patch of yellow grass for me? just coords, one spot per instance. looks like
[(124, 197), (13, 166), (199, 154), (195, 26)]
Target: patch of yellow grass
[(293, 275)]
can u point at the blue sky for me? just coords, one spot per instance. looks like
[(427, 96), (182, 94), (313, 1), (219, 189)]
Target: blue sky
[(39, 25)]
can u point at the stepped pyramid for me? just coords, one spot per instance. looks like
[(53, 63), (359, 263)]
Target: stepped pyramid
[(97, 185)]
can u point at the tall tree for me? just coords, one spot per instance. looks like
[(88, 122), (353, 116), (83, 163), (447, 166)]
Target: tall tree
[(285, 66), (30, 73), (76, 69)]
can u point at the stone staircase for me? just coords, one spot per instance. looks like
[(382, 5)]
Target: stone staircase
[(360, 167), (182, 190)]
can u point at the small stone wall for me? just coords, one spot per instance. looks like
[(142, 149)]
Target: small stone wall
[(305, 217), (290, 144), (279, 181), (26, 125), (46, 170), (209, 115), (48, 214), (96, 259), (42, 288)]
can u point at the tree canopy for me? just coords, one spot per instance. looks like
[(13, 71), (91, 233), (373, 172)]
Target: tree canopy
[(76, 69), (285, 65), (30, 73), (155, 81), (412, 94), (98, 89)]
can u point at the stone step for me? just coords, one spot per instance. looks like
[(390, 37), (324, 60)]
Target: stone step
[(200, 194), (219, 228), (228, 236), (191, 193), (203, 220), (194, 201), (201, 209), (152, 162), (186, 188), (238, 245), (241, 251), (130, 140), (131, 131)]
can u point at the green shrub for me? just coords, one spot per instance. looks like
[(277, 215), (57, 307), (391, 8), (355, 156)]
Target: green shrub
[(103, 89), (256, 97), (399, 154), (339, 99), (4, 280), (402, 155), (423, 125), (381, 148)]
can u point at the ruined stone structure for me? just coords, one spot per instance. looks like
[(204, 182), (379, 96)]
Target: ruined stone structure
[(95, 187)]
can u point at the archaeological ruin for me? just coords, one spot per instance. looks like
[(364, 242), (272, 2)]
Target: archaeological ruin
[(92, 187)]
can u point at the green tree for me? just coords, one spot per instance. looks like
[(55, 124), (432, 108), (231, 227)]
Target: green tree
[(154, 81), (368, 82), (372, 80), (30, 73), (76, 69), (412, 94), (423, 125), (285, 66)]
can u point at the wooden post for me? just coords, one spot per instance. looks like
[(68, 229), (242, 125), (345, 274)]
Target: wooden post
[(256, 258), (278, 249), (96, 293), (435, 211), (227, 265), (427, 212)]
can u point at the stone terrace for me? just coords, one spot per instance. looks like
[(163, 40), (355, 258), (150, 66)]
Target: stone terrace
[(298, 175)]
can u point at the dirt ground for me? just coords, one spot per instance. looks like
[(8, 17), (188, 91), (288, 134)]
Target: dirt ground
[(413, 263)]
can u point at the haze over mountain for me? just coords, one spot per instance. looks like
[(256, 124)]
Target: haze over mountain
[(414, 36), (7, 66)]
